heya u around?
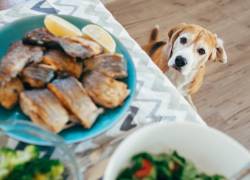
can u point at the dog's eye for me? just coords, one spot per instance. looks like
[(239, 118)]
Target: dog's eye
[(183, 40), (201, 51)]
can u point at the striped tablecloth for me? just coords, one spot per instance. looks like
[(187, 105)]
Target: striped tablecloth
[(156, 98)]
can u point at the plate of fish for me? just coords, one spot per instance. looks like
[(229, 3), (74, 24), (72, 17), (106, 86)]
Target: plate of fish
[(65, 74)]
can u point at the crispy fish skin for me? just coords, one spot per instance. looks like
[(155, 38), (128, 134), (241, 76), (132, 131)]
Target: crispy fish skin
[(17, 57), (112, 65), (104, 90), (60, 61), (76, 47), (44, 109), (73, 96), (41, 37), (9, 93), (37, 76), (93, 47)]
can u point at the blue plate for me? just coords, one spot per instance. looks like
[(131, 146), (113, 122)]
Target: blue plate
[(14, 32)]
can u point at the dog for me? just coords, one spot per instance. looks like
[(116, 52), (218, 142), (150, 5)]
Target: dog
[(182, 56)]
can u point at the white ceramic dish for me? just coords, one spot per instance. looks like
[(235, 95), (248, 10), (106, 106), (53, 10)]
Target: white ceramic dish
[(210, 150)]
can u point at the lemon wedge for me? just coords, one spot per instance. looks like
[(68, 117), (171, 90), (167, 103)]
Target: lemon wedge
[(100, 36), (60, 27)]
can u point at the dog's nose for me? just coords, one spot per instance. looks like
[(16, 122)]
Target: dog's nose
[(180, 61)]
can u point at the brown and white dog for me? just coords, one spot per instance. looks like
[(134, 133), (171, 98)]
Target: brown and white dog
[(182, 57)]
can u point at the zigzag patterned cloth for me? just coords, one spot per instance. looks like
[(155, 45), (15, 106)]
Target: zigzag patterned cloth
[(156, 98)]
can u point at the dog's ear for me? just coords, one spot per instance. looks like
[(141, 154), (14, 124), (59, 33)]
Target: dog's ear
[(173, 34), (219, 53)]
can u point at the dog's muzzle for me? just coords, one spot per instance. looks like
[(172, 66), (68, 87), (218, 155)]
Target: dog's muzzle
[(180, 62)]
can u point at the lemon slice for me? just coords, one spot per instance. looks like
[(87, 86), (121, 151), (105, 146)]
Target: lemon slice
[(99, 35), (60, 27)]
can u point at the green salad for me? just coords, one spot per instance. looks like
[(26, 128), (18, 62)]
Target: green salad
[(172, 166), (27, 165)]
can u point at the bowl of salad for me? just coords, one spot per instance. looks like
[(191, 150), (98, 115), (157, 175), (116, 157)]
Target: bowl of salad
[(21, 160), (177, 151)]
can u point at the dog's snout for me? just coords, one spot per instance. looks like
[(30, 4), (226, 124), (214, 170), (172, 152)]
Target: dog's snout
[(180, 61)]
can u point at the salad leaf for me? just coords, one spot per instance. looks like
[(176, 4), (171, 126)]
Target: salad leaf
[(26, 165), (10, 158), (165, 166)]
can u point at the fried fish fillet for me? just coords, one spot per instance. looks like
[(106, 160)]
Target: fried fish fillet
[(112, 65), (17, 57), (37, 76), (76, 47), (9, 93), (44, 109), (60, 61), (73, 96), (41, 37), (104, 90)]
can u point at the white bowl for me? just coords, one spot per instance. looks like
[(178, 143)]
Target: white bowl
[(210, 150)]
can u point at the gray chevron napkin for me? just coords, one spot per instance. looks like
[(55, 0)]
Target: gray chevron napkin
[(156, 98)]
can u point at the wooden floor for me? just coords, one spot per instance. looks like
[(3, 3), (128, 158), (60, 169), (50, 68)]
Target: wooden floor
[(224, 100)]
